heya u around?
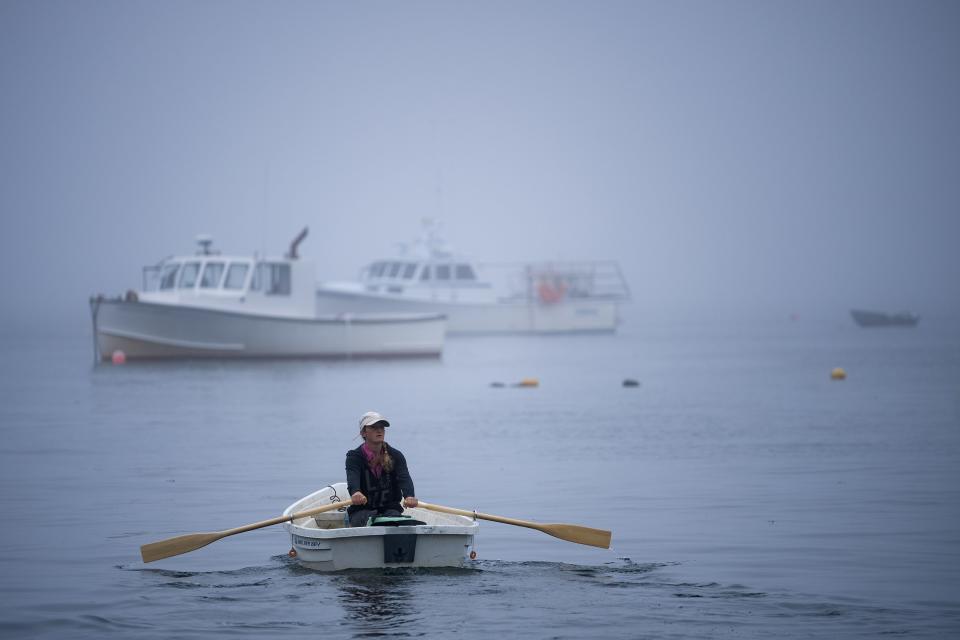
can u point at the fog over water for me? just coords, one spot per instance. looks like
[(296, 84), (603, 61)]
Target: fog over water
[(737, 158)]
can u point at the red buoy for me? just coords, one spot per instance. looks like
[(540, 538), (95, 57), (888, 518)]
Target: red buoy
[(118, 357)]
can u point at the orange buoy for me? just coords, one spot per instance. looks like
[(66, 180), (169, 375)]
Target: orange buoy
[(118, 357)]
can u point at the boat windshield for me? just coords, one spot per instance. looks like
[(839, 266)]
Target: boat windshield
[(212, 273), (188, 275), (462, 272), (168, 277), (236, 275)]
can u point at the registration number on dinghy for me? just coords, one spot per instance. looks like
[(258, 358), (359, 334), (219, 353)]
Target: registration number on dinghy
[(310, 543)]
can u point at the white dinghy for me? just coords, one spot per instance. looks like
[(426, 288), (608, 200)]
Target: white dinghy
[(324, 542)]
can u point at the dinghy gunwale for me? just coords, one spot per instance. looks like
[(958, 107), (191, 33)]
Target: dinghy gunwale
[(439, 524)]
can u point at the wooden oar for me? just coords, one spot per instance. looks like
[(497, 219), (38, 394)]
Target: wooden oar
[(193, 541), (568, 532)]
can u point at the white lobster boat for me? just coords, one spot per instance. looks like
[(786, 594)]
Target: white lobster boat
[(546, 297), (213, 305), (325, 543)]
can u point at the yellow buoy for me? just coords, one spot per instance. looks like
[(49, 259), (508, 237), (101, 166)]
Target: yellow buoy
[(838, 374), (529, 382)]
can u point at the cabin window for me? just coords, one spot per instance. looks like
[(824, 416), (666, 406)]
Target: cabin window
[(443, 271), (188, 276), (465, 272), (236, 275), (273, 278), (395, 269), (409, 269), (168, 277), (425, 274), (212, 273), (376, 269)]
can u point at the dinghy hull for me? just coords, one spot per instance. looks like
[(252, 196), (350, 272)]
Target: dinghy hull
[(325, 543)]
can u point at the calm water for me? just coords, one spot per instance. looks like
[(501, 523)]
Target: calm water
[(748, 495)]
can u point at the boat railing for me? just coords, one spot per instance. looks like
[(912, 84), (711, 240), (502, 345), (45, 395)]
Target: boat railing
[(555, 280)]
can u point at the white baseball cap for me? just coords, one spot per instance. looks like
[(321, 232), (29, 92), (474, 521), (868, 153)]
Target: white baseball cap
[(372, 418)]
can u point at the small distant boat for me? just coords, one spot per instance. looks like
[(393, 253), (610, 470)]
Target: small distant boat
[(882, 319), (325, 543), (491, 298), (218, 306)]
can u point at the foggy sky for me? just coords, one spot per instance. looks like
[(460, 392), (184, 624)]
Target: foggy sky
[(758, 156)]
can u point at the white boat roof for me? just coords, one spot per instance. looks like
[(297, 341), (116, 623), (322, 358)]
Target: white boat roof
[(220, 257)]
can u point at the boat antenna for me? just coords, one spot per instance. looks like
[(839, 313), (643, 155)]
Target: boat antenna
[(441, 209), (264, 211), (292, 255), (205, 240)]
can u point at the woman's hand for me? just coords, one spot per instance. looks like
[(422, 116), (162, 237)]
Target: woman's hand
[(358, 499), (410, 502)]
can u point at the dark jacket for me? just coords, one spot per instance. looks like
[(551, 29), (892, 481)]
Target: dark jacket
[(383, 493)]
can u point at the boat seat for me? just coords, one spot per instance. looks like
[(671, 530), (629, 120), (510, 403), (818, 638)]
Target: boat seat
[(330, 520), (325, 523)]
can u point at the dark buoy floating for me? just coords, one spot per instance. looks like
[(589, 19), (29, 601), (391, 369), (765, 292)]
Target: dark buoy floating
[(497, 385), (630, 382)]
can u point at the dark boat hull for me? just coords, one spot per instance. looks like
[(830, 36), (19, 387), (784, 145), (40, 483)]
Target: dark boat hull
[(881, 319)]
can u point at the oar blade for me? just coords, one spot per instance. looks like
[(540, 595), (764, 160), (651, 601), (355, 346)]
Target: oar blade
[(176, 546), (580, 535)]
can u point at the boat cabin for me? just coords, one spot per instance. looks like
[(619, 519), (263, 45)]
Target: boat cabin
[(451, 279), (425, 279), (225, 275), (393, 274), (274, 286)]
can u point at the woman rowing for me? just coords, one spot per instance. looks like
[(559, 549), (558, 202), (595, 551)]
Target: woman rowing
[(377, 475)]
